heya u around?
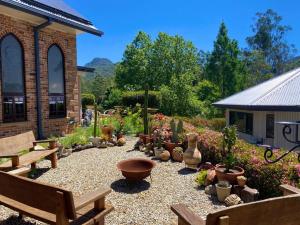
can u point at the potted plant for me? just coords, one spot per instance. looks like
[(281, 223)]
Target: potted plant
[(223, 190), (201, 178), (228, 171), (176, 137), (177, 154)]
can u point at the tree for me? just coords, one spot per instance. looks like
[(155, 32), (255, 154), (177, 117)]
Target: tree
[(269, 38), (224, 67), (133, 71)]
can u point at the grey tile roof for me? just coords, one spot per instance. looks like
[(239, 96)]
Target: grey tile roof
[(281, 91), (57, 10)]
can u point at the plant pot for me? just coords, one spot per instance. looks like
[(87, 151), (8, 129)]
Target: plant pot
[(223, 192), (177, 156), (231, 177), (107, 131), (192, 156), (157, 152), (170, 146)]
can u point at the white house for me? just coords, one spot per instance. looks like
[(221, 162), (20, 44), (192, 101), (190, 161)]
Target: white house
[(256, 111)]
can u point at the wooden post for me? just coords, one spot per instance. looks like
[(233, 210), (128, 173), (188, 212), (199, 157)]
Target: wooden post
[(53, 158), (15, 161), (99, 206)]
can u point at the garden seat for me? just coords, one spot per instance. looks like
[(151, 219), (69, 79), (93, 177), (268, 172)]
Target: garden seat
[(50, 204), (274, 211), (11, 147)]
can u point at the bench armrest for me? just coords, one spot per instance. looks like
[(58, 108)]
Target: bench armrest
[(186, 216), (289, 190), (43, 141), (9, 156), (90, 198)]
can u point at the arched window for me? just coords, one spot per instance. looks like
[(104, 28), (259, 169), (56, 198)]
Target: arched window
[(12, 77), (56, 79)]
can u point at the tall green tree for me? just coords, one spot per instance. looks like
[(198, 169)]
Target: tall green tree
[(224, 67), (270, 39), (133, 71)]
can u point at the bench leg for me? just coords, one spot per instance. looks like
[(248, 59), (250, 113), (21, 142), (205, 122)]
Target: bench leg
[(21, 216), (33, 165), (99, 205), (53, 158)]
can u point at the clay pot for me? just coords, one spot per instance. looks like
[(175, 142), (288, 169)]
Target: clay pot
[(121, 141), (107, 131), (177, 155), (192, 156), (170, 146), (223, 192), (241, 180), (165, 156), (231, 177), (157, 152)]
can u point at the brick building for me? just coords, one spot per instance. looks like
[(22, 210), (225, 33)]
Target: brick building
[(39, 81)]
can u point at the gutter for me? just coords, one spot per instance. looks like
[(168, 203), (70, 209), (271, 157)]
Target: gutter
[(37, 30)]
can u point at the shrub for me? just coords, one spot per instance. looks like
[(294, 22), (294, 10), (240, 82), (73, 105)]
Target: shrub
[(131, 98), (114, 98), (79, 137), (261, 175), (87, 99), (217, 124), (201, 178), (133, 123)]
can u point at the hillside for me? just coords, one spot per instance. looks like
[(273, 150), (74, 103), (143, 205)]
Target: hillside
[(103, 66)]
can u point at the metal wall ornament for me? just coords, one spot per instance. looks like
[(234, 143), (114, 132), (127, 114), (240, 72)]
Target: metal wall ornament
[(287, 132)]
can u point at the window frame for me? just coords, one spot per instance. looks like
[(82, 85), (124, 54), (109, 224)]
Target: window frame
[(246, 116), (56, 115), (268, 135), (13, 117)]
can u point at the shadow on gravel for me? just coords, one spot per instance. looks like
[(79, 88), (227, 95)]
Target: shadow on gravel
[(129, 187), (36, 173), (186, 171), (13, 220)]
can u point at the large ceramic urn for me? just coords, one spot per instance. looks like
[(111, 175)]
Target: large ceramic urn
[(192, 156)]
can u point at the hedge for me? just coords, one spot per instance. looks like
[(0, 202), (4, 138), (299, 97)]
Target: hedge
[(131, 98), (87, 99), (262, 176)]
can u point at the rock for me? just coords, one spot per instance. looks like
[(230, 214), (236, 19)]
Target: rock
[(211, 177), (165, 156), (233, 199), (210, 190), (249, 194), (102, 145), (236, 189), (241, 181), (110, 144), (121, 142)]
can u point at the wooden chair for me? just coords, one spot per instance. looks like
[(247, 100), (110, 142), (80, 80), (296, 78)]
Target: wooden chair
[(51, 204), (275, 211), (10, 147)]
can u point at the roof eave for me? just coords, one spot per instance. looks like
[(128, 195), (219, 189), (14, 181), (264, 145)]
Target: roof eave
[(36, 12), (291, 108)]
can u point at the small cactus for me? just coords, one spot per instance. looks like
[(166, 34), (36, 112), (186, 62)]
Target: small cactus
[(177, 129)]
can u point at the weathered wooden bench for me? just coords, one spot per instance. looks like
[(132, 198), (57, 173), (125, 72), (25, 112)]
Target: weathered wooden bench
[(275, 211), (10, 147), (51, 204)]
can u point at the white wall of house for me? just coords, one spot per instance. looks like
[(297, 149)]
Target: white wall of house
[(259, 127)]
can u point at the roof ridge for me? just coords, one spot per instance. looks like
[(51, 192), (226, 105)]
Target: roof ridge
[(294, 73)]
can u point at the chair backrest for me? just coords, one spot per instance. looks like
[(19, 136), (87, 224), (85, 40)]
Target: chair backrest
[(14, 144), (36, 194), (276, 211)]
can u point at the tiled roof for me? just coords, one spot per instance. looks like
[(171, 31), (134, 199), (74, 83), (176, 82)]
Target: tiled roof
[(280, 92), (57, 10)]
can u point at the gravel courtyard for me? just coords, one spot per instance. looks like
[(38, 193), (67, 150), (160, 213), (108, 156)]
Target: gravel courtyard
[(147, 202)]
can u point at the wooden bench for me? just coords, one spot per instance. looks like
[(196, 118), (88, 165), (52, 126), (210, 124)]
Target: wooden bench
[(51, 204), (10, 147), (275, 211)]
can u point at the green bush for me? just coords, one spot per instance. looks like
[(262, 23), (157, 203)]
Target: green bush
[(131, 98), (261, 175), (87, 99), (133, 123), (80, 136), (201, 178), (217, 124), (113, 98)]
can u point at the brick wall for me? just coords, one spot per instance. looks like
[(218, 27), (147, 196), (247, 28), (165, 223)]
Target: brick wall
[(67, 42)]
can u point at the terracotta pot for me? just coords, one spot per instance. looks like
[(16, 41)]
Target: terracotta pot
[(192, 156), (170, 146), (165, 156), (223, 192), (107, 131), (177, 156), (136, 169), (231, 177)]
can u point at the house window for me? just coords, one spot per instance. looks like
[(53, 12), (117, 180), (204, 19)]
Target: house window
[(56, 79), (12, 77), (270, 126), (243, 121)]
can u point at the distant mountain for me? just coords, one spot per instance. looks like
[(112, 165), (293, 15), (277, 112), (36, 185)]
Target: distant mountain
[(103, 66)]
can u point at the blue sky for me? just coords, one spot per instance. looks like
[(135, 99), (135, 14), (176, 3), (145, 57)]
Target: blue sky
[(195, 20)]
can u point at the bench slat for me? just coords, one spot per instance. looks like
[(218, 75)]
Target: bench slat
[(29, 158)]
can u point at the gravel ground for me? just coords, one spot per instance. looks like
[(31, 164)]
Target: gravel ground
[(147, 202)]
